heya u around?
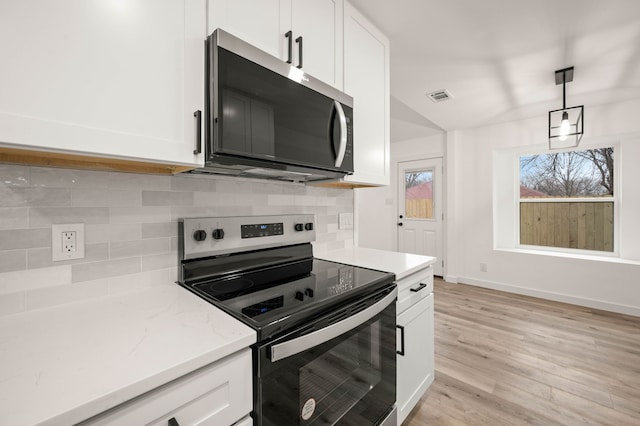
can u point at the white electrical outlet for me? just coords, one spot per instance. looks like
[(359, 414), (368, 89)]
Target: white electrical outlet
[(67, 241), (483, 267), (345, 221)]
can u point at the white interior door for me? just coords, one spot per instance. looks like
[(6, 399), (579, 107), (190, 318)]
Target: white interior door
[(420, 209)]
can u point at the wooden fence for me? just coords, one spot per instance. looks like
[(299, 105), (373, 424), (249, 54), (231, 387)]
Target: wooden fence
[(580, 225), (421, 208)]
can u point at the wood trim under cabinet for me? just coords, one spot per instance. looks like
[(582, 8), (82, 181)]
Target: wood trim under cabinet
[(86, 162)]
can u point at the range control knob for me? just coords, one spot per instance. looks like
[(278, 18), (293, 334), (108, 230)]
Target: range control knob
[(298, 227), (200, 235), (217, 234), (299, 295), (309, 292), (308, 226)]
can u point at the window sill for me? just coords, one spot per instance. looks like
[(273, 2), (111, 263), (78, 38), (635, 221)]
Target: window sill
[(597, 258)]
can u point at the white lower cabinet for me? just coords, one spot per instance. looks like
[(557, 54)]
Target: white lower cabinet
[(415, 341), (216, 395)]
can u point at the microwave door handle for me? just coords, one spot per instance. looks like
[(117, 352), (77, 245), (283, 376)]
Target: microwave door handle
[(343, 133), (308, 341)]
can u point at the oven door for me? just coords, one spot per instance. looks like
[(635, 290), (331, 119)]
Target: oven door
[(338, 369)]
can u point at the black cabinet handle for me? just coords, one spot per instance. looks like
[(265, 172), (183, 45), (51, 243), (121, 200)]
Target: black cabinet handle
[(173, 422), (198, 116), (401, 216), (401, 351), (289, 36), (399, 223), (299, 41), (420, 287)]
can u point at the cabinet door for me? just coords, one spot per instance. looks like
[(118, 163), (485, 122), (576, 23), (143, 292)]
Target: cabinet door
[(257, 22), (264, 23), (319, 24), (415, 367), (119, 79), (218, 394), (366, 78)]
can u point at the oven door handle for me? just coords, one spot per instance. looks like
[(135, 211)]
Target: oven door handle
[(308, 341)]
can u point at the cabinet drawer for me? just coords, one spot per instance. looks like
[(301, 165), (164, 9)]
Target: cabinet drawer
[(219, 394), (414, 288)]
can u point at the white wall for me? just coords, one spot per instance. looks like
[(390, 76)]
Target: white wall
[(377, 208), (474, 158)]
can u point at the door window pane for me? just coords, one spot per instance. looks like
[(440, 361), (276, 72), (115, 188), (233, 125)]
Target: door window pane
[(418, 186)]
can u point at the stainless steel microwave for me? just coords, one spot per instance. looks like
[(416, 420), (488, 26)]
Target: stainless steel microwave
[(267, 118)]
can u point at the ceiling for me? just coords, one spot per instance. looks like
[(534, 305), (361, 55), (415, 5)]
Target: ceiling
[(497, 58)]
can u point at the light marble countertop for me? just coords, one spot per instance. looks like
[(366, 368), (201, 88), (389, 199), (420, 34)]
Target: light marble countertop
[(401, 264), (64, 364)]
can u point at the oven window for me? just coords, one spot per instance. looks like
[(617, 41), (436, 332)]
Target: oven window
[(349, 380), (332, 383)]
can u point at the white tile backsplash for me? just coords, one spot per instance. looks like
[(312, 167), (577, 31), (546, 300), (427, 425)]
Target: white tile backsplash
[(85, 197), (12, 239), (30, 279), (13, 260), (167, 198), (105, 269), (147, 214), (119, 249), (46, 216), (41, 257), (105, 233), (131, 226), (14, 217)]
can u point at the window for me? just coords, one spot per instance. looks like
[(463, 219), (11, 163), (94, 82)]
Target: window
[(567, 199), (419, 194)]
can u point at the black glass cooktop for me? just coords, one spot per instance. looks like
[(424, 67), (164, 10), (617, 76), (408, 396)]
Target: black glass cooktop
[(277, 298)]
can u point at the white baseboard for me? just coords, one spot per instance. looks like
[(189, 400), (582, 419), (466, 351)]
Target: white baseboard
[(558, 297), (453, 279)]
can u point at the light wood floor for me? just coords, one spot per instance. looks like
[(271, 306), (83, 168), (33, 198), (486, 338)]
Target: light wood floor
[(505, 359)]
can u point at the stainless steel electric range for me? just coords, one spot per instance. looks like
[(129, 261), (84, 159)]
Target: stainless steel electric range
[(326, 350)]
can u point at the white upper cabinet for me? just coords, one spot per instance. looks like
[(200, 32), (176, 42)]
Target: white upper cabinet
[(366, 79), (118, 79), (315, 28), (318, 24), (255, 21)]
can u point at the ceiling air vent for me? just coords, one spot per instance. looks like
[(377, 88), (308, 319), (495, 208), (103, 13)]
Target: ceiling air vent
[(439, 95)]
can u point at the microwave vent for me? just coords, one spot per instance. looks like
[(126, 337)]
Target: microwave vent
[(439, 95)]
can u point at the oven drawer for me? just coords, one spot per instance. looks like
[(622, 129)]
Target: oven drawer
[(216, 395), (415, 287)]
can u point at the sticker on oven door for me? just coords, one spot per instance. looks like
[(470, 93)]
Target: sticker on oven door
[(308, 409)]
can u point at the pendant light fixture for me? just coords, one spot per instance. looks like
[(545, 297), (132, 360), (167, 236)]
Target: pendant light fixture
[(566, 125)]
